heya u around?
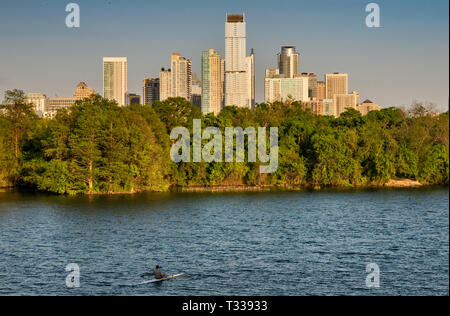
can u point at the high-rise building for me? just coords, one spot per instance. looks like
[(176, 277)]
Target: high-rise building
[(165, 84), (39, 102), (342, 102), (280, 88), (236, 63), (321, 90), (289, 61), (132, 98), (115, 79), (181, 76), (211, 82), (250, 64), (150, 91), (312, 84), (336, 83), (328, 108)]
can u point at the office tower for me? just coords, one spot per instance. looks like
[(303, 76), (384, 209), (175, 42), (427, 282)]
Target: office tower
[(165, 84), (150, 91), (39, 102), (279, 88), (335, 83), (288, 61), (367, 106), (115, 79), (314, 106), (236, 63), (250, 70), (342, 102), (132, 98), (320, 90), (328, 108), (211, 82), (312, 84), (181, 76)]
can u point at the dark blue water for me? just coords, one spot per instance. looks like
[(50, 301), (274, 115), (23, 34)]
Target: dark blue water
[(288, 243)]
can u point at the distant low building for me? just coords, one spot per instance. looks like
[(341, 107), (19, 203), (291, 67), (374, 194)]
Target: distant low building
[(367, 106), (328, 107), (150, 92), (39, 102), (131, 98), (342, 102), (81, 92), (315, 106)]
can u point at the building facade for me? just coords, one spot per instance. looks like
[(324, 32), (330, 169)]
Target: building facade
[(342, 102), (289, 61), (115, 79), (132, 98), (279, 88), (236, 64), (165, 84), (367, 106), (335, 83), (150, 91), (321, 90), (181, 76), (312, 84), (211, 82), (39, 102)]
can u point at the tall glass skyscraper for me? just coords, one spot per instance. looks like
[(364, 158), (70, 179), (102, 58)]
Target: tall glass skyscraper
[(115, 79), (211, 82), (288, 61)]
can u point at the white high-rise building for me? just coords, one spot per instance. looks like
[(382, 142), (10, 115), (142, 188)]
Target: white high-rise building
[(115, 79), (237, 86), (282, 89), (39, 102)]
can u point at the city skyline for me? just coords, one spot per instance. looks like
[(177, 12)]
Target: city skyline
[(390, 79)]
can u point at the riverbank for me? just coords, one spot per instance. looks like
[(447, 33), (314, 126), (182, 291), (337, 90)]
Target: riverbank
[(393, 183)]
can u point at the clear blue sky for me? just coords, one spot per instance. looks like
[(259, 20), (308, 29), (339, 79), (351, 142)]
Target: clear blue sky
[(407, 58)]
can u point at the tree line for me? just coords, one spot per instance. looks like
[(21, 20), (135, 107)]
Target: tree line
[(96, 146)]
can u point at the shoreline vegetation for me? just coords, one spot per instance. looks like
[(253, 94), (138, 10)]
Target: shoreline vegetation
[(97, 147)]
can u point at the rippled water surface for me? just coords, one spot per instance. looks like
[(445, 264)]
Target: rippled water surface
[(277, 243)]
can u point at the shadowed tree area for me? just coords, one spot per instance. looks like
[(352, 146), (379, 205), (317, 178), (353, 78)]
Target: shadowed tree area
[(98, 147)]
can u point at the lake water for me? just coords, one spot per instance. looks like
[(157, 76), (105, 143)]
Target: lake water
[(275, 243)]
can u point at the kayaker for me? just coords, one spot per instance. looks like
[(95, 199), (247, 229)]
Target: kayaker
[(158, 274)]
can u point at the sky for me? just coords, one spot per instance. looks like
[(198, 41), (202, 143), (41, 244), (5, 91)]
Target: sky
[(406, 59)]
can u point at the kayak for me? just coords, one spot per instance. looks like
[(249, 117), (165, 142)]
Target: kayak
[(168, 277)]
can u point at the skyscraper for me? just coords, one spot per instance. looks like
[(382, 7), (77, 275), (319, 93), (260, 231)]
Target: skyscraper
[(288, 61), (115, 79), (320, 90), (250, 63), (342, 102), (150, 91), (312, 84), (181, 76), (211, 82), (236, 63), (336, 83), (165, 84)]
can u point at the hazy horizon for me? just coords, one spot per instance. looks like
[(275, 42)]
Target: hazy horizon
[(404, 60)]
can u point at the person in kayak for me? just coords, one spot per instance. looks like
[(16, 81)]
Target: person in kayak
[(158, 274)]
